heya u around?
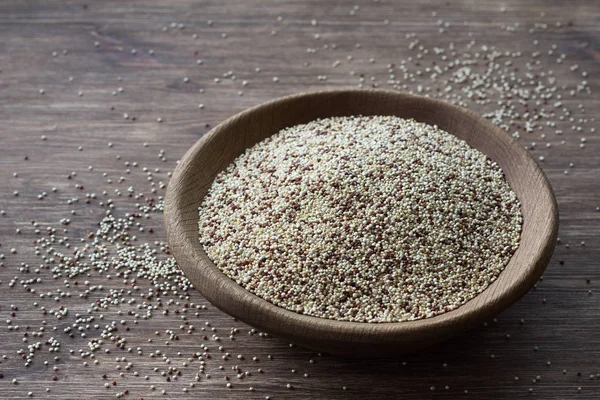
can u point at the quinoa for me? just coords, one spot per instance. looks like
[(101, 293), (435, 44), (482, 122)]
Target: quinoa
[(368, 219)]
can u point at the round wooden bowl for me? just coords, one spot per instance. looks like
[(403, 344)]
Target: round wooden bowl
[(214, 151)]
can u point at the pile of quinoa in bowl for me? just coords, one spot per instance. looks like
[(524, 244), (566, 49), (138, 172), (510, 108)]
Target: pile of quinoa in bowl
[(363, 218)]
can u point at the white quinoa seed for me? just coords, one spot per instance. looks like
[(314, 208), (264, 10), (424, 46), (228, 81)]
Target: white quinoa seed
[(368, 219)]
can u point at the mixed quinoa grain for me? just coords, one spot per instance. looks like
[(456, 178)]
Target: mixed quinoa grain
[(367, 219)]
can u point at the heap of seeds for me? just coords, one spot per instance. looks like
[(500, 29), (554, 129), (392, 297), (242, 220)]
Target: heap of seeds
[(369, 219)]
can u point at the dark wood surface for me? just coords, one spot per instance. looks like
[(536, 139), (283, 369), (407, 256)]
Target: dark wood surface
[(198, 168), (561, 319)]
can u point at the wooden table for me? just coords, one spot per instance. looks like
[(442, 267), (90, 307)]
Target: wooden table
[(90, 74)]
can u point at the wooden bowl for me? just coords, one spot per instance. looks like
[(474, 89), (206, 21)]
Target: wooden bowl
[(214, 151)]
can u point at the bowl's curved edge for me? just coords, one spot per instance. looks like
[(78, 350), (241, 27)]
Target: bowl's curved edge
[(384, 339)]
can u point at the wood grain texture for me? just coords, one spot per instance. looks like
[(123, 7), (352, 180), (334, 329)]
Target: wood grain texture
[(559, 317), (210, 155)]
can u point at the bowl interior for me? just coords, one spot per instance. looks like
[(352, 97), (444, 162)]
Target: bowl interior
[(196, 171)]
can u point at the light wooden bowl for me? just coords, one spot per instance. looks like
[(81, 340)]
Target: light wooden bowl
[(213, 152)]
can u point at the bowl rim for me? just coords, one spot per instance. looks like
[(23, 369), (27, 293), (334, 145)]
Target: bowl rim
[(235, 300)]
